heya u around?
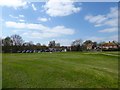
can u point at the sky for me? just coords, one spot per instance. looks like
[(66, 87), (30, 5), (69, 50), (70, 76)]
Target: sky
[(62, 21)]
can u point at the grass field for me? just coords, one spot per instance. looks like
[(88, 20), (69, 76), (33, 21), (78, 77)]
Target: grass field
[(60, 70), (0, 70)]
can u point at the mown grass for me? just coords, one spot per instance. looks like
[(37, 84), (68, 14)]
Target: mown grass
[(0, 70), (60, 70)]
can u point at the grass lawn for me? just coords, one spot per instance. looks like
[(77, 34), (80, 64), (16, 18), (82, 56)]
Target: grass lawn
[(0, 70), (60, 70)]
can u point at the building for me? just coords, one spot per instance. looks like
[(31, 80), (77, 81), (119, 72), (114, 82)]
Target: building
[(109, 45), (89, 46)]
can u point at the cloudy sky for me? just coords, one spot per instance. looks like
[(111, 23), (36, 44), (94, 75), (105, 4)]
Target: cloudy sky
[(61, 21)]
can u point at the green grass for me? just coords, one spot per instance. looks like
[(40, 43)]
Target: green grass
[(60, 70), (0, 70)]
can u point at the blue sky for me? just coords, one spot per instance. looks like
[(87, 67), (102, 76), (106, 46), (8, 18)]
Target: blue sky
[(61, 21)]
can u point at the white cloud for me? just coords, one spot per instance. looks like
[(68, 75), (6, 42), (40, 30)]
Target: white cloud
[(13, 16), (62, 30), (100, 39), (114, 37), (17, 31), (24, 25), (110, 19), (57, 31), (97, 20), (15, 25), (43, 19), (34, 8), (13, 3), (25, 33), (109, 30), (1, 19), (64, 42), (21, 16), (21, 20), (112, 22), (113, 12), (41, 31), (94, 38), (60, 8), (18, 18)]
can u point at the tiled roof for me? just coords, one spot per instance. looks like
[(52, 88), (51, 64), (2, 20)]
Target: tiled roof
[(109, 44)]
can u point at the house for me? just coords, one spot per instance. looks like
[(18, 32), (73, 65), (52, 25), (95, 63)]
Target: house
[(89, 46), (109, 45)]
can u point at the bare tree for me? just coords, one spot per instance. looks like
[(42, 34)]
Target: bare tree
[(17, 40)]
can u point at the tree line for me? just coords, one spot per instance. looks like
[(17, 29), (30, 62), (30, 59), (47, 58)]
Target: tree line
[(15, 43)]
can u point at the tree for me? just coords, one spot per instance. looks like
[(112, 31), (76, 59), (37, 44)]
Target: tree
[(25, 44), (7, 41), (52, 44), (77, 42), (101, 43), (17, 40), (86, 43), (76, 45), (7, 44), (57, 44), (38, 44), (94, 45), (115, 42), (30, 43), (0, 42)]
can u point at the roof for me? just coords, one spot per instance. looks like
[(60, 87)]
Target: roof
[(109, 44)]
